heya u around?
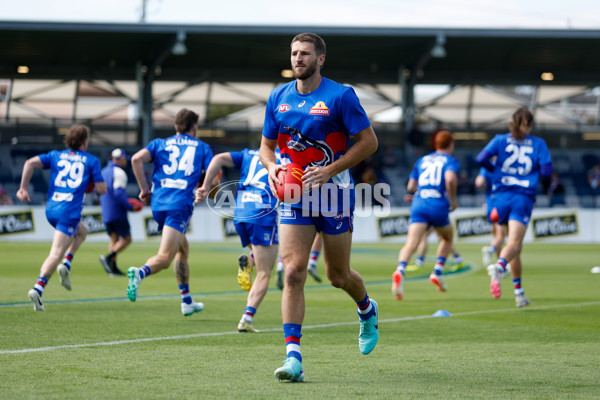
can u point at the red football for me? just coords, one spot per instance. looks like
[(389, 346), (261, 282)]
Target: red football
[(494, 217), (137, 205), (290, 190)]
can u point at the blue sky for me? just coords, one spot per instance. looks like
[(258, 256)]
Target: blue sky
[(538, 14)]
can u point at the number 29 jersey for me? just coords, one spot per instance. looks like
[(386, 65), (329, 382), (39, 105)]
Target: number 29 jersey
[(518, 162), (429, 172), (178, 165), (71, 172)]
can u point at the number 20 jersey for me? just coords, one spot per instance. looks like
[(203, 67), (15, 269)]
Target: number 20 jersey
[(71, 172), (518, 162), (178, 165), (429, 172)]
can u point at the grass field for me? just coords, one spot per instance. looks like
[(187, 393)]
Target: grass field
[(93, 343)]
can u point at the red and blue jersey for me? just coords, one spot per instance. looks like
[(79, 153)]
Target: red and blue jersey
[(71, 172), (254, 203), (179, 162), (314, 129)]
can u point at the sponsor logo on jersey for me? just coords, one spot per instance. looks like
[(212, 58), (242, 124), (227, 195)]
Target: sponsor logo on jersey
[(284, 107), (288, 214), (319, 109), (301, 104)]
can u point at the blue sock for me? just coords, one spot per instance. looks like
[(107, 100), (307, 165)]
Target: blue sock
[(185, 294), (144, 271), (365, 308), (439, 265), (292, 340), (517, 285), (401, 267), (249, 313), (502, 263), (67, 260), (40, 285)]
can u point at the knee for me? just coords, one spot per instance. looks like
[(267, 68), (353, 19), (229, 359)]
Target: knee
[(337, 279), (294, 277)]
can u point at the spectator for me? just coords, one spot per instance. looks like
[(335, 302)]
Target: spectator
[(5, 199), (594, 178)]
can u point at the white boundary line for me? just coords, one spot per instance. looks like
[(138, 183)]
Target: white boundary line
[(117, 342)]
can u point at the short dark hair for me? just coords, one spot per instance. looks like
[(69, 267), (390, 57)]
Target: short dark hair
[(185, 119), (313, 38), (76, 136), (443, 140)]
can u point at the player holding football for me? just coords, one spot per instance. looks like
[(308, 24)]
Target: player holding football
[(179, 162), (255, 219), (521, 159), (312, 120), (114, 210), (433, 178), (72, 171)]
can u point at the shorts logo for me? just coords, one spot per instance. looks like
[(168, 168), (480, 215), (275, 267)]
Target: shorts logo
[(283, 108), (339, 225), (288, 214), (319, 109)]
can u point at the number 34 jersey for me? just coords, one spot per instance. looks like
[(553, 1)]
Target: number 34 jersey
[(429, 173), (71, 172), (178, 165), (518, 162)]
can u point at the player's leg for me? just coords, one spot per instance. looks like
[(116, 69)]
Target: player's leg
[(417, 232), (60, 243), (337, 266), (295, 242), (64, 269), (315, 250), (181, 269), (170, 243), (422, 248), (445, 246), (265, 257)]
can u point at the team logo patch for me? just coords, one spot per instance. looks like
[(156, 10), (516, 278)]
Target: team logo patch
[(284, 107), (319, 109)]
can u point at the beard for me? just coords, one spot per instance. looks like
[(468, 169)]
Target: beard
[(309, 70)]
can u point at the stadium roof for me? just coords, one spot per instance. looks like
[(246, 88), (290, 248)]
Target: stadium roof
[(259, 54)]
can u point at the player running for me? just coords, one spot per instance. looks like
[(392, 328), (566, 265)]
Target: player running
[(433, 178), (312, 120), (255, 219), (521, 159), (72, 172), (179, 162)]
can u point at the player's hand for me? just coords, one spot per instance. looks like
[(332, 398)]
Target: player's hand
[(273, 181), (23, 195), (200, 194), (145, 196), (314, 177), (453, 205), (408, 198)]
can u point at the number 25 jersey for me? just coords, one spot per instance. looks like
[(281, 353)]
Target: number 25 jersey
[(518, 162), (178, 165)]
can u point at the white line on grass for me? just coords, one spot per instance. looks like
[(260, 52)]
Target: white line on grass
[(196, 335)]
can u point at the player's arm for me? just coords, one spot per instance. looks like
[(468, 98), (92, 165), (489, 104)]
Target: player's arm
[(451, 185), (137, 164), (366, 144), (219, 161), (30, 165), (480, 182), (100, 187), (269, 161)]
